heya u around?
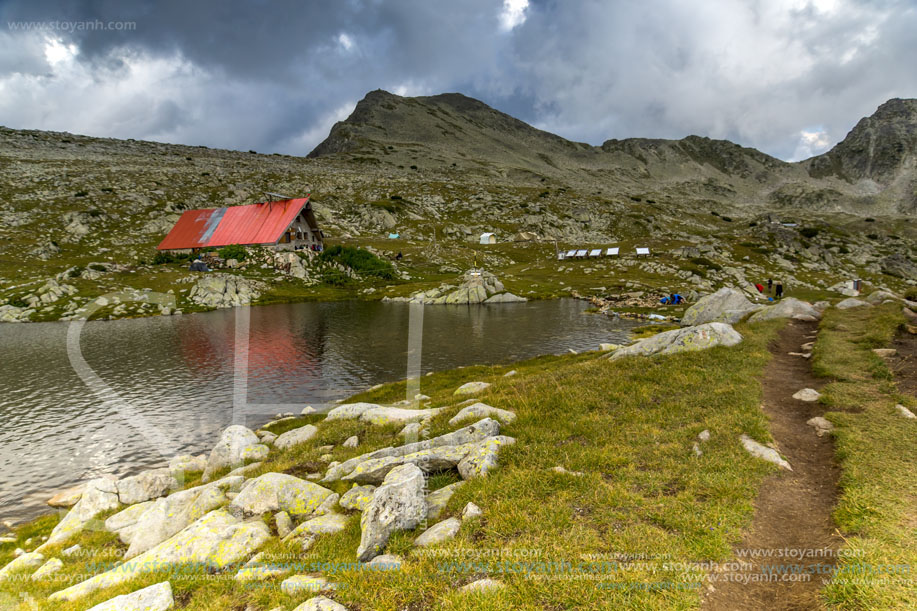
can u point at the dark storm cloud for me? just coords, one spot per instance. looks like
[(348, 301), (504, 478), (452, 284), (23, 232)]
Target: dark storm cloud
[(786, 76)]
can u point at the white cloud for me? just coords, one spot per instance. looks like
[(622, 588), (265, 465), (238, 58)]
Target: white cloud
[(513, 14), (410, 88), (760, 73), (811, 142), (345, 41), (308, 139), (56, 51)]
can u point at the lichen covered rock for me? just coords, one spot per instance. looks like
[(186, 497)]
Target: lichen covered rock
[(688, 339)]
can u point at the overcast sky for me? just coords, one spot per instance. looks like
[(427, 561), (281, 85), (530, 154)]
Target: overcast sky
[(789, 77)]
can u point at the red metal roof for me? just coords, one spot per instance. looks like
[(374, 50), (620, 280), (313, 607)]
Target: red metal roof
[(252, 224)]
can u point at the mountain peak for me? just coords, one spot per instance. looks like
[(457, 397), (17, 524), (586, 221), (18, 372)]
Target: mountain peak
[(877, 149)]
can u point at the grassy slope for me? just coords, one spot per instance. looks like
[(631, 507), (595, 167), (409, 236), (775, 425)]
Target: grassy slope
[(878, 455), (644, 491)]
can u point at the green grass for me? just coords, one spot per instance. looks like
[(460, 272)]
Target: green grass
[(643, 491), (877, 509)]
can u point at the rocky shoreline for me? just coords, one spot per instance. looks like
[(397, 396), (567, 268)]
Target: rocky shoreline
[(241, 504)]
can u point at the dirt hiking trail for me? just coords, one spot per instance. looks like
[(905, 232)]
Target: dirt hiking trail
[(793, 508)]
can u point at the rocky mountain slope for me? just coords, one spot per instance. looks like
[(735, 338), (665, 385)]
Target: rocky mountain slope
[(81, 217), (871, 172)]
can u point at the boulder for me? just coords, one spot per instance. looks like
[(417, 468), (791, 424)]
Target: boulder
[(185, 463), (440, 458), (905, 411), (374, 470), (47, 569), (505, 298), (320, 603), (258, 570), (357, 497), (682, 340), (67, 498), (284, 523), (73, 550), (471, 511), (483, 458), (899, 265), (351, 442), (443, 531), (297, 584), (168, 515), (28, 560), (845, 288), (850, 302), (396, 415), (236, 446), (386, 562), (145, 486), (295, 437), (482, 410), (274, 492), (322, 525), (727, 305), (478, 431), (398, 504), (821, 425), (877, 297), (100, 494), (245, 469), (789, 307), (350, 411), (809, 395), (471, 388), (437, 500), (223, 291), (769, 454), (157, 597), (216, 540), (127, 517)]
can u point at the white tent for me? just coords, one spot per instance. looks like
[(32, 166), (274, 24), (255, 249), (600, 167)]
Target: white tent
[(612, 252), (488, 238)]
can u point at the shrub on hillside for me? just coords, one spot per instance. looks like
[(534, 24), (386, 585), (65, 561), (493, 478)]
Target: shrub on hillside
[(233, 251), (162, 258), (335, 277), (809, 232), (359, 260)]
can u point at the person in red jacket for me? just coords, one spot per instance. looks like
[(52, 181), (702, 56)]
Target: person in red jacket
[(760, 288)]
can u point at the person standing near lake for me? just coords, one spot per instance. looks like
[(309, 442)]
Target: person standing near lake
[(770, 284), (778, 293)]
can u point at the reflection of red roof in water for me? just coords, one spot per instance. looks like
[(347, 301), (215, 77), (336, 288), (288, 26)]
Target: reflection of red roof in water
[(253, 224), (277, 350)]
